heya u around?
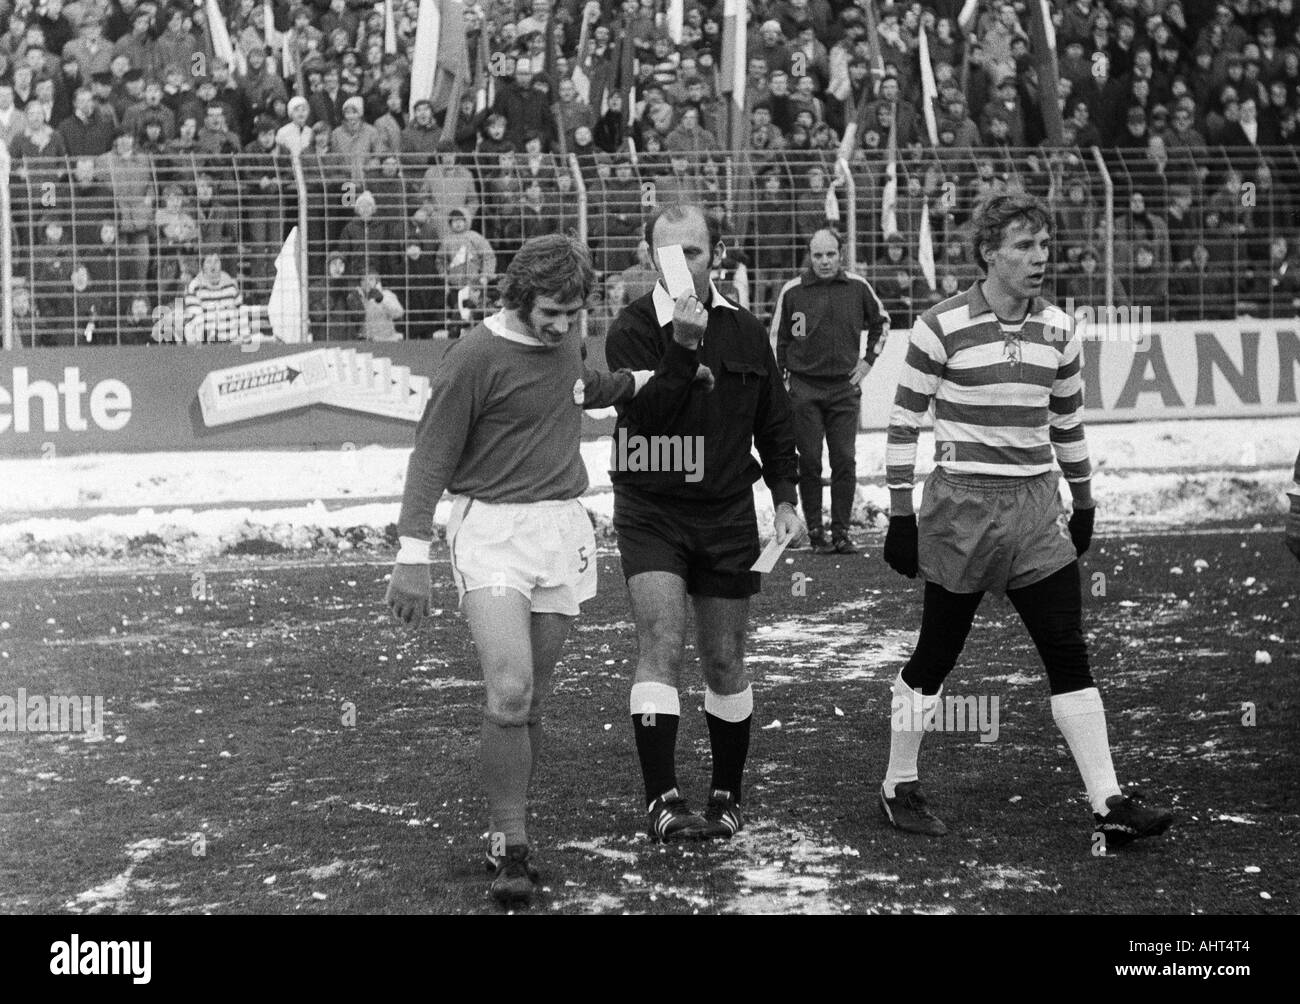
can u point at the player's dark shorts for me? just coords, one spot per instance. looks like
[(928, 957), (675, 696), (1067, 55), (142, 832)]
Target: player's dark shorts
[(710, 544), (981, 532)]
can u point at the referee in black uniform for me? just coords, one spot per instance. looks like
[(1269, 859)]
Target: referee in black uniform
[(817, 327), (694, 533)]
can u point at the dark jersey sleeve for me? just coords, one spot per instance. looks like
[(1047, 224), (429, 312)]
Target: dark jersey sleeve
[(454, 403), (635, 344), (774, 435), (601, 390)]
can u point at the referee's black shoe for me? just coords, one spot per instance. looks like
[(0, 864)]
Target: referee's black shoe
[(723, 815), (671, 819)]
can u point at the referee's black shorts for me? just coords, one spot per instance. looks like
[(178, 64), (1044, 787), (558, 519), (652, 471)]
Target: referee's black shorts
[(711, 544)]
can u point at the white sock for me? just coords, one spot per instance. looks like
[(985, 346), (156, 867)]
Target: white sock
[(729, 707), (907, 713), (650, 698), (1082, 720)]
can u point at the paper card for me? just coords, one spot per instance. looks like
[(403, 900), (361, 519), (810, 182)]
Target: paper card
[(677, 277), (768, 559)]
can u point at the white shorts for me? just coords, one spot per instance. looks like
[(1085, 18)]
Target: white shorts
[(545, 550)]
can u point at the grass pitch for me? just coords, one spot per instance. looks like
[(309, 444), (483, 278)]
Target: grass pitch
[(276, 744)]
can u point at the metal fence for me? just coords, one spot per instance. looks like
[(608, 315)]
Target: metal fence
[(182, 246)]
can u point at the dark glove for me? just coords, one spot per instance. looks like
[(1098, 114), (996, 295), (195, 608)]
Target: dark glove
[(900, 545), (1081, 529)]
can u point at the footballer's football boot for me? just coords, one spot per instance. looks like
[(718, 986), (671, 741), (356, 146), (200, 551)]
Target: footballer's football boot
[(843, 545), (817, 541), (671, 819), (907, 810), (1126, 821), (513, 879), (494, 861), (723, 815)]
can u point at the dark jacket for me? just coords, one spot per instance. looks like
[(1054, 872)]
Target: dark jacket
[(86, 139), (818, 324), (748, 406)]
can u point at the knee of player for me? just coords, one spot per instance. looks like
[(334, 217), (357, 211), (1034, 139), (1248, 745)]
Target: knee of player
[(724, 672), (663, 665), (510, 703), (663, 646)]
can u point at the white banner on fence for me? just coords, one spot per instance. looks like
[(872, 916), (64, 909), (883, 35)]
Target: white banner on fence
[(1194, 369)]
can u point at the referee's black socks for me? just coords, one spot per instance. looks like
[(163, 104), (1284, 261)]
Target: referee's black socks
[(729, 717), (656, 711)]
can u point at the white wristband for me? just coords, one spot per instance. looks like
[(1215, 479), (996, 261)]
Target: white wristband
[(414, 551), (641, 378)]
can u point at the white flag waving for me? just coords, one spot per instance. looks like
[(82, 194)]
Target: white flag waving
[(285, 309)]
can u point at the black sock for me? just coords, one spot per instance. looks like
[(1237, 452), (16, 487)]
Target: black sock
[(656, 745), (730, 742)]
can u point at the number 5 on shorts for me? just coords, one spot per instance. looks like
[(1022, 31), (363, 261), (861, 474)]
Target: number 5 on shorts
[(582, 557)]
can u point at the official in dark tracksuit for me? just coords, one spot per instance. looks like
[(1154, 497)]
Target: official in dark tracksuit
[(816, 326)]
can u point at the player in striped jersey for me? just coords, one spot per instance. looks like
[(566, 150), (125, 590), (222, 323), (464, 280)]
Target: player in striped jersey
[(1001, 368), (502, 431)]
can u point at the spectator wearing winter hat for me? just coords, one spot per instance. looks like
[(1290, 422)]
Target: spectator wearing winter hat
[(357, 140), (771, 46), (295, 136)]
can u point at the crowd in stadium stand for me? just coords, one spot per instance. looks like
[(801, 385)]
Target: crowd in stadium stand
[(151, 178)]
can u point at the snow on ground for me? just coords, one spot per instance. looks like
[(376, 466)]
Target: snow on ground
[(1149, 473)]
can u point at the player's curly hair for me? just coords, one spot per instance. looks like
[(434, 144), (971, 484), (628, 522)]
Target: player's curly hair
[(992, 217), (554, 265)]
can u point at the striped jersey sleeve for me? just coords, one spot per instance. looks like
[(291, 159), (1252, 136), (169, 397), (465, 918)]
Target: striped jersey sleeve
[(917, 385), (1066, 409)]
